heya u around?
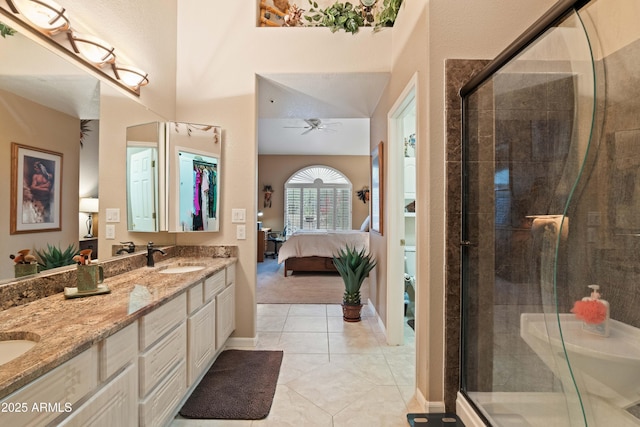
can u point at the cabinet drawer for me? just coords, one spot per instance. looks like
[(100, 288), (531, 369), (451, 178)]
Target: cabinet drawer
[(213, 285), (231, 274), (157, 323), (156, 409), (61, 388), (113, 405), (155, 363), (116, 351), (194, 298)]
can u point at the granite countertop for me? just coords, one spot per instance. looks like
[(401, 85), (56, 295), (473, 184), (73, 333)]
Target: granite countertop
[(67, 327)]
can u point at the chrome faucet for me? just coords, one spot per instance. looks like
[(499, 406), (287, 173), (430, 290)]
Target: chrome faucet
[(127, 248), (150, 251)]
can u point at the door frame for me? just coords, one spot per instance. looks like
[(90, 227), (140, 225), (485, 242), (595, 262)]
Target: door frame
[(395, 211)]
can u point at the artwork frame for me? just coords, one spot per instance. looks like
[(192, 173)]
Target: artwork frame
[(377, 187), (36, 190)]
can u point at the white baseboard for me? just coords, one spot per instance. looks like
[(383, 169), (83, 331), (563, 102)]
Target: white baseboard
[(467, 414), (375, 313), (241, 342), (427, 406)]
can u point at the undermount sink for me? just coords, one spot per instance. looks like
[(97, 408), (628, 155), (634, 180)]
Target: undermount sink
[(181, 269), (15, 344)]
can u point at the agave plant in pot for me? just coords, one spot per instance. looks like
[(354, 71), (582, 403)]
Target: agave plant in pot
[(354, 266)]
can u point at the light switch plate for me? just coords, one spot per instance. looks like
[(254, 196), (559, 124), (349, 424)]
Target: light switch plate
[(241, 232), (238, 215), (113, 214), (110, 232)]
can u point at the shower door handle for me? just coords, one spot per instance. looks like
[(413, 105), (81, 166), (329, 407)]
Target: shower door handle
[(467, 243)]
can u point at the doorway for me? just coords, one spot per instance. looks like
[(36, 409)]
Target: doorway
[(402, 251)]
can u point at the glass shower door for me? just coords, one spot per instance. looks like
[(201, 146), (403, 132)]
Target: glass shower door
[(527, 141)]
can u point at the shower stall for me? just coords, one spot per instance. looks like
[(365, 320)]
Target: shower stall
[(550, 206)]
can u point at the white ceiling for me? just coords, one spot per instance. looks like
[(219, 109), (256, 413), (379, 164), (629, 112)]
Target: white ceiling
[(344, 102)]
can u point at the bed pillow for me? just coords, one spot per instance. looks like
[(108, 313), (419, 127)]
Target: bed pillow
[(365, 225)]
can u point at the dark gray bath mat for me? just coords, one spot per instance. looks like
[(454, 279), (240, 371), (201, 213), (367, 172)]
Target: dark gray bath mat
[(239, 386)]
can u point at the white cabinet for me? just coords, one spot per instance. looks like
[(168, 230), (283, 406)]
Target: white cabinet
[(201, 333), (53, 394), (155, 363), (160, 321), (195, 298), (162, 361), (112, 405), (115, 351), (157, 408), (225, 314), (214, 284)]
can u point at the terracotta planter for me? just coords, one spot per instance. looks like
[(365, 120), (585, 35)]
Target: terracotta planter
[(351, 313)]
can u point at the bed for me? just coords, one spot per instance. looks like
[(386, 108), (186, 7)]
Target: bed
[(312, 251)]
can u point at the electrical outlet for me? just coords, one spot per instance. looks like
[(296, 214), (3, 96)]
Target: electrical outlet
[(110, 232), (241, 232), (238, 215), (593, 219)]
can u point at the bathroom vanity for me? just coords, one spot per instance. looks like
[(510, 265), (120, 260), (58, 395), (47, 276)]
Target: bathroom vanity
[(97, 363)]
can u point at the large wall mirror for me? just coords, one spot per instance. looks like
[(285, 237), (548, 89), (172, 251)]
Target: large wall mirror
[(173, 177), (45, 100)]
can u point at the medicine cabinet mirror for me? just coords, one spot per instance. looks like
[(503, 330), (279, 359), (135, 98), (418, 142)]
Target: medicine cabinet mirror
[(173, 177)]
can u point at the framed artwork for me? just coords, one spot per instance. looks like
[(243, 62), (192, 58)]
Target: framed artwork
[(376, 193), (36, 188)]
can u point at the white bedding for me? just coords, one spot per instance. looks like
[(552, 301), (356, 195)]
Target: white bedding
[(321, 243)]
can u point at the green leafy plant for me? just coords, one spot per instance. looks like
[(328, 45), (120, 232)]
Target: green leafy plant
[(339, 16), (354, 266), (5, 30), (386, 17), (54, 257)]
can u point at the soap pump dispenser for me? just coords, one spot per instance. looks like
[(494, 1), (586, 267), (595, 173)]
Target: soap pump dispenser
[(598, 322)]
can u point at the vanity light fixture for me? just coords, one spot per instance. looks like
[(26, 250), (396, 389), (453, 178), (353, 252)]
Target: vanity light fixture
[(93, 49), (46, 15), (46, 18), (130, 76)]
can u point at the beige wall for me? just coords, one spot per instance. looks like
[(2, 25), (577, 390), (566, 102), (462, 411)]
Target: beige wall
[(217, 67), (31, 124), (425, 35), (276, 170)]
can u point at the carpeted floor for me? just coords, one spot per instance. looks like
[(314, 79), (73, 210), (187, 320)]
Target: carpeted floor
[(300, 288), (239, 386)]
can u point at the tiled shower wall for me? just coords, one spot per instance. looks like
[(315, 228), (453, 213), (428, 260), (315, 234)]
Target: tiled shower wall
[(604, 241)]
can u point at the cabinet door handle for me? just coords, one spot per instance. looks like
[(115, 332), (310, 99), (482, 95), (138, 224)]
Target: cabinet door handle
[(467, 243)]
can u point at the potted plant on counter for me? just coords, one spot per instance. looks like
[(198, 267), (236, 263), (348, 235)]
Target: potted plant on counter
[(354, 266)]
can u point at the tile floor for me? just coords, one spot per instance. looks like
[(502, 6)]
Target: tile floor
[(333, 373)]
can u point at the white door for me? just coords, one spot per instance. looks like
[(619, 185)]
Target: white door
[(143, 201)]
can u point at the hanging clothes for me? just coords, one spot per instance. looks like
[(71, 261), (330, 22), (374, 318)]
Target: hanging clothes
[(204, 194)]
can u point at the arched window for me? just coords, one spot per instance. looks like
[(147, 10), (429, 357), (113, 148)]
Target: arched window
[(317, 198)]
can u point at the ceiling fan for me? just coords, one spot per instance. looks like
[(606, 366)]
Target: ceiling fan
[(316, 124)]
